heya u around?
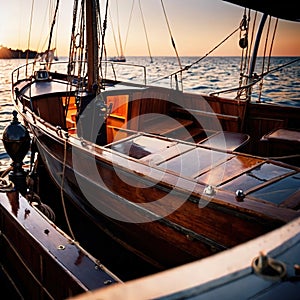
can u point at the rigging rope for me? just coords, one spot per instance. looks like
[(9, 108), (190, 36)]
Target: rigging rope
[(103, 37), (270, 53), (114, 35), (62, 191), (121, 53), (172, 39), (52, 25), (51, 32), (246, 50), (187, 67), (29, 34), (99, 22), (42, 30), (272, 43), (256, 79), (245, 44), (76, 50), (145, 31), (119, 32), (129, 22)]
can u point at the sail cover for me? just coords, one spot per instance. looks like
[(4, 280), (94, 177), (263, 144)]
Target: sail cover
[(287, 9)]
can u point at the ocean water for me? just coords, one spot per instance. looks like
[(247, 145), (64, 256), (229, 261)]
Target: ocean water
[(211, 74)]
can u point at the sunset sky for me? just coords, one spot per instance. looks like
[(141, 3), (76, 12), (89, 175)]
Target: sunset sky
[(197, 26)]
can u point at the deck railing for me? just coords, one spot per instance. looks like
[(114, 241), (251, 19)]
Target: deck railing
[(112, 70)]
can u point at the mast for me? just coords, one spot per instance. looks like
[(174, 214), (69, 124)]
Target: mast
[(92, 44), (92, 107), (256, 46), (254, 53), (119, 33)]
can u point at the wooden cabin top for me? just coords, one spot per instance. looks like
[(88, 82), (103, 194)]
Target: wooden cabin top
[(40, 88), (219, 168)]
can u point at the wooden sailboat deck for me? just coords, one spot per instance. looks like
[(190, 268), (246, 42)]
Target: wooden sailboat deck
[(221, 168)]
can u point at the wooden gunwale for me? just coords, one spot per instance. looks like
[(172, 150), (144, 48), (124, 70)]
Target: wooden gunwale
[(35, 245)]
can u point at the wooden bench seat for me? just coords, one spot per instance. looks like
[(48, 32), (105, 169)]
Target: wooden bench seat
[(202, 113), (163, 125), (209, 118), (284, 143), (283, 135)]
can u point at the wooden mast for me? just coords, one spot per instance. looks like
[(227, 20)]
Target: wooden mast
[(97, 105), (92, 44)]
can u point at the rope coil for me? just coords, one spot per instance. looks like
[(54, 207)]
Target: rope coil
[(6, 185)]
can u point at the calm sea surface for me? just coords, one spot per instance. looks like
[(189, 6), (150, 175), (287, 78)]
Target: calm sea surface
[(209, 75)]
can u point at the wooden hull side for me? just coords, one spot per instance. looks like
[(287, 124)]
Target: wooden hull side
[(215, 227), (40, 260)]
